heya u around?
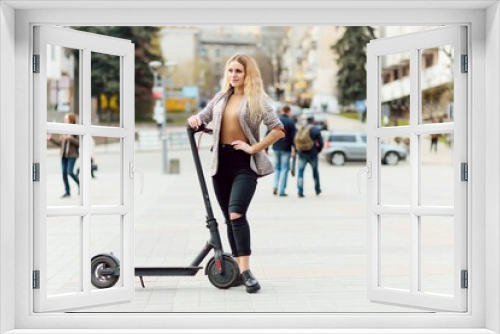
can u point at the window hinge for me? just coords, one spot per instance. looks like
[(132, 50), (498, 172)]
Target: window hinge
[(36, 279), (36, 63), (36, 172), (464, 171), (465, 279), (465, 64)]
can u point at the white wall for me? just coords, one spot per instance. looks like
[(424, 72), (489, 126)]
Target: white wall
[(22, 118), (492, 154), (7, 159)]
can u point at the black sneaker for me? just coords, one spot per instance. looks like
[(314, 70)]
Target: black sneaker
[(250, 282), (275, 191), (66, 195)]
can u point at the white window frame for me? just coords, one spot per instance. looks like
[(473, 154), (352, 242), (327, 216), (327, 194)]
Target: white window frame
[(483, 102), (87, 43), (414, 210)]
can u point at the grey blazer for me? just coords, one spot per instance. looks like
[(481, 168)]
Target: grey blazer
[(259, 162)]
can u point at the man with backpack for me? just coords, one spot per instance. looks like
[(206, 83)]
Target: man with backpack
[(308, 143)]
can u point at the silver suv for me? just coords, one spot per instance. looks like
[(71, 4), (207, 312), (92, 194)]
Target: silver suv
[(342, 146)]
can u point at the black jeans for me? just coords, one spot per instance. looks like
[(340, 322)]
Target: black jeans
[(234, 186)]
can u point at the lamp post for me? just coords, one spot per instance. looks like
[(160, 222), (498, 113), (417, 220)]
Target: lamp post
[(157, 68)]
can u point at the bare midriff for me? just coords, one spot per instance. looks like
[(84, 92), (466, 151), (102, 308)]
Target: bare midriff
[(231, 129)]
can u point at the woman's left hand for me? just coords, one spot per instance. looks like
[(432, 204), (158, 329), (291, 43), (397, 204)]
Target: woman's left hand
[(241, 145)]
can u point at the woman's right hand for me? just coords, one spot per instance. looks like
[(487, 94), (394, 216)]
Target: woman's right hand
[(194, 122), (49, 136)]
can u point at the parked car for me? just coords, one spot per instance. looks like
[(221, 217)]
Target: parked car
[(342, 146)]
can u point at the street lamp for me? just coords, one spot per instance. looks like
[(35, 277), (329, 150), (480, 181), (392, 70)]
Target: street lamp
[(157, 68)]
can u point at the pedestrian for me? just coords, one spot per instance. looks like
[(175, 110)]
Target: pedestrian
[(309, 143), (69, 146), (434, 137), (239, 157), (283, 150), (434, 141)]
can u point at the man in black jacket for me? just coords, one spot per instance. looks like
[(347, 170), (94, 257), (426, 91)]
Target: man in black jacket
[(310, 157), (283, 150)]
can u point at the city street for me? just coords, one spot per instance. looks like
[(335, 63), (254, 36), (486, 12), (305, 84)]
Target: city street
[(308, 253)]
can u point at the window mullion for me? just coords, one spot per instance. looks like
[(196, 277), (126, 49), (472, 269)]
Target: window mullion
[(414, 171)]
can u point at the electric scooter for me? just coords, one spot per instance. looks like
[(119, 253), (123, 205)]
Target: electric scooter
[(222, 270)]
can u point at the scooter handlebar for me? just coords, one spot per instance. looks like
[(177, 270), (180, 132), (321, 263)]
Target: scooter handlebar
[(201, 128)]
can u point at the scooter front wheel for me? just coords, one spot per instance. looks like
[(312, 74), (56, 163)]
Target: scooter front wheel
[(231, 272), (99, 269)]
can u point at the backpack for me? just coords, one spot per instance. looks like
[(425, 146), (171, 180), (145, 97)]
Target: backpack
[(303, 140)]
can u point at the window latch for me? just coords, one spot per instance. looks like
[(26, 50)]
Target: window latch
[(133, 170), (367, 170)]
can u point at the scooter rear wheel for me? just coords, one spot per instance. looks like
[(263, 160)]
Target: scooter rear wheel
[(231, 273), (99, 280)]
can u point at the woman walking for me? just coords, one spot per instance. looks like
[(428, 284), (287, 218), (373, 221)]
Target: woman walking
[(69, 145)]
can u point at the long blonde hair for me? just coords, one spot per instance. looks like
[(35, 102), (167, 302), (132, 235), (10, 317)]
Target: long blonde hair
[(253, 87)]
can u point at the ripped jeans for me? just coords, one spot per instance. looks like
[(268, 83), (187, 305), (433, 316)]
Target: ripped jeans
[(234, 186)]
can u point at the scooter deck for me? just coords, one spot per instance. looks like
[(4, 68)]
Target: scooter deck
[(166, 271)]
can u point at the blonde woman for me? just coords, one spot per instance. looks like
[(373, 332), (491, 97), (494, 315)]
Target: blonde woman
[(239, 159)]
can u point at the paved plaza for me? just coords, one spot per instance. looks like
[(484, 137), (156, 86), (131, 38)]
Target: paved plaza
[(309, 254)]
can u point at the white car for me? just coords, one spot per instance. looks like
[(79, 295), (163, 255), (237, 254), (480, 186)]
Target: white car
[(342, 146)]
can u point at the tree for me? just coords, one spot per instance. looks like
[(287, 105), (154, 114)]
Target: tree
[(351, 52), (105, 68)]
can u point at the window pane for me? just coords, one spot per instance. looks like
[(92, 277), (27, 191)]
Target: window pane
[(105, 238), (436, 83), (395, 252), (437, 254), (394, 171), (105, 88), (62, 83), (437, 173), (395, 89), (63, 179), (63, 255), (105, 186)]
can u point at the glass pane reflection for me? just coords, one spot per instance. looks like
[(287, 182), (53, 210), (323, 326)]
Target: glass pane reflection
[(437, 254), (437, 170), (105, 85), (436, 83), (62, 170), (62, 83), (395, 252), (63, 255), (395, 170), (395, 89), (105, 184), (105, 238)]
